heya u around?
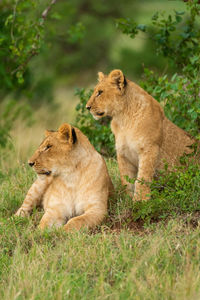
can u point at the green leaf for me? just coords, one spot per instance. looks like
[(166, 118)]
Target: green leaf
[(141, 27)]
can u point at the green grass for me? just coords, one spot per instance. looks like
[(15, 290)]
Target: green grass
[(163, 263), (149, 250)]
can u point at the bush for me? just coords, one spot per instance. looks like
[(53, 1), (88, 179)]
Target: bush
[(20, 40), (22, 25), (174, 193), (179, 95)]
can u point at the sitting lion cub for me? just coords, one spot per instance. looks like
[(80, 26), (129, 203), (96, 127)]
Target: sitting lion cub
[(144, 137), (72, 184)]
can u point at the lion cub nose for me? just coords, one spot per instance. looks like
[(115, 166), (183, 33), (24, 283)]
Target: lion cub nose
[(31, 164), (88, 107)]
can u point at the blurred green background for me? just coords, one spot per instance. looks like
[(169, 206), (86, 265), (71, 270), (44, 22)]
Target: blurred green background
[(79, 38), (50, 48)]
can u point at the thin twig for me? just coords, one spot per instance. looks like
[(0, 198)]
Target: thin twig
[(14, 16), (46, 11)]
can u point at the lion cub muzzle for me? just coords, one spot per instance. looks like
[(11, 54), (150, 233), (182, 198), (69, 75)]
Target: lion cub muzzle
[(31, 164)]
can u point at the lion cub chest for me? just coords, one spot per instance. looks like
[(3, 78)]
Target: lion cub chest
[(127, 147), (63, 197)]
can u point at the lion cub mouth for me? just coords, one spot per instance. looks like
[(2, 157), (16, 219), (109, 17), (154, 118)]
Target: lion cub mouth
[(100, 114), (45, 173)]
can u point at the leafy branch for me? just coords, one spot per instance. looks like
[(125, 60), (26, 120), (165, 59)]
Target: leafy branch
[(36, 45)]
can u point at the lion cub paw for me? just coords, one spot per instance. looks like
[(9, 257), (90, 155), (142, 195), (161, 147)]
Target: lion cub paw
[(142, 194), (22, 212), (75, 223)]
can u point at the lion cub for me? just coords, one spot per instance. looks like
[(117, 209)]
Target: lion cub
[(72, 184), (144, 137)]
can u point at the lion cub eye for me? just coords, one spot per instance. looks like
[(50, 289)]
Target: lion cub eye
[(99, 93), (47, 147)]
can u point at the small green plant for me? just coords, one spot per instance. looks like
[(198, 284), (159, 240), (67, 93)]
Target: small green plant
[(173, 193)]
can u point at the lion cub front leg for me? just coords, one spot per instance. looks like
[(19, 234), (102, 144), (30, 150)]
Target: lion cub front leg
[(126, 168), (34, 195), (147, 166)]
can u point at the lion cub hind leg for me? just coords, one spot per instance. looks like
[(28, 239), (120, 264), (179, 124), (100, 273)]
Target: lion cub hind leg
[(51, 218), (89, 219)]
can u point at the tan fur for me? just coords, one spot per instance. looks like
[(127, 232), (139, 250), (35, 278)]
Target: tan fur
[(144, 137), (73, 182)]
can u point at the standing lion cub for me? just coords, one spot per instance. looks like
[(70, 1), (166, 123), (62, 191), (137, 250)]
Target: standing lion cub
[(72, 184), (144, 137)]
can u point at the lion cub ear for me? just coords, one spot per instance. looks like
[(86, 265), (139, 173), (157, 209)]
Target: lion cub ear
[(100, 76), (48, 132), (68, 132), (117, 77)]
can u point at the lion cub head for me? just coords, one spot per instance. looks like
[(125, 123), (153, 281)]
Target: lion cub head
[(55, 152), (107, 96)]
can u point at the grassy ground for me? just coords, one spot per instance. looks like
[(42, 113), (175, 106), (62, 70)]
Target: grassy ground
[(147, 250)]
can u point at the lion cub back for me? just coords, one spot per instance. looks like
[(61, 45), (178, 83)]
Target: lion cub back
[(176, 143)]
